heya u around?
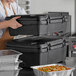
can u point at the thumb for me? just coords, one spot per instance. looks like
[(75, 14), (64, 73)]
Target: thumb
[(17, 17)]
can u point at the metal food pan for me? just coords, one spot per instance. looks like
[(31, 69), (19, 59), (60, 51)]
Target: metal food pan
[(9, 56), (10, 66), (56, 73), (9, 72)]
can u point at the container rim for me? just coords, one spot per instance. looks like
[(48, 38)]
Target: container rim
[(36, 67), (17, 53), (19, 68), (17, 62)]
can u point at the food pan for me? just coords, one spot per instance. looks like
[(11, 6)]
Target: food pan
[(9, 72), (10, 66), (9, 56), (55, 73)]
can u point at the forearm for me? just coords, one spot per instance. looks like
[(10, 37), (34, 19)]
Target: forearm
[(3, 24)]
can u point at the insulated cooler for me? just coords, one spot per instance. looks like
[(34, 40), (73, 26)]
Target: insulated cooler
[(32, 25), (52, 23), (59, 23), (40, 52), (33, 53), (37, 50)]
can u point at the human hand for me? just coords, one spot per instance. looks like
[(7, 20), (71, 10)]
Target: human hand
[(13, 23)]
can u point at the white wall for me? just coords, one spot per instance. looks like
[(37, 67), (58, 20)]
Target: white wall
[(43, 6), (22, 3)]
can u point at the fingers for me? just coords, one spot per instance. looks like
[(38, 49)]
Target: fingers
[(15, 27), (17, 17), (13, 23), (18, 24)]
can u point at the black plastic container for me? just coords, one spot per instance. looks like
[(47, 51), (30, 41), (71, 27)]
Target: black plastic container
[(52, 23), (35, 25), (33, 53), (40, 52)]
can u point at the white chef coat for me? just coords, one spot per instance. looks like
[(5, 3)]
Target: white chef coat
[(18, 10)]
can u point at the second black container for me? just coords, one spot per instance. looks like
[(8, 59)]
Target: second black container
[(40, 52)]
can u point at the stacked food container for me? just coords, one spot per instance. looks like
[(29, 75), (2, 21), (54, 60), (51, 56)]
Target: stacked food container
[(40, 51), (9, 63), (45, 42)]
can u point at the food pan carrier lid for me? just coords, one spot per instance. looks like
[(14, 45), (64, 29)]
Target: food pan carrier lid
[(31, 17), (25, 44), (31, 43), (9, 52), (34, 43)]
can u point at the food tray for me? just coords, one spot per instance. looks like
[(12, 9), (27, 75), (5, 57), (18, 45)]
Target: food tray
[(9, 72), (9, 56), (10, 66), (55, 73)]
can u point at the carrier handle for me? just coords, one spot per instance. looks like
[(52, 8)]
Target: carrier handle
[(56, 46), (44, 22), (57, 20)]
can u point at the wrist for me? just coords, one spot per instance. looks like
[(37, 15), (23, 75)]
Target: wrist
[(7, 24), (4, 24)]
